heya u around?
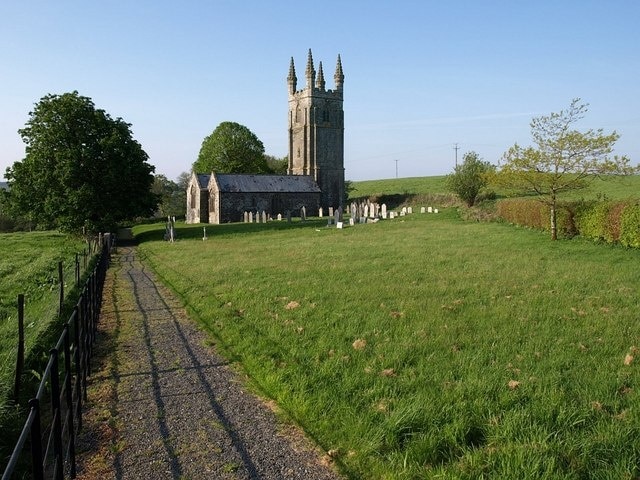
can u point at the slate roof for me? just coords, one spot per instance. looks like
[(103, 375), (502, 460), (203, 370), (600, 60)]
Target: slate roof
[(203, 180), (266, 183)]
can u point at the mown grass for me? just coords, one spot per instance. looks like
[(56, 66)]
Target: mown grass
[(425, 346)]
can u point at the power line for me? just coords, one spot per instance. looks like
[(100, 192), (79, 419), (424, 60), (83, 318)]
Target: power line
[(396, 168), (456, 148)]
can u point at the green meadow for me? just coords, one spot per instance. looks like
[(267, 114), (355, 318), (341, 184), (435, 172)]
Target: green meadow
[(426, 346), (614, 188), (29, 266)]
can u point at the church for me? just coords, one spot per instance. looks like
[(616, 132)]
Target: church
[(315, 174)]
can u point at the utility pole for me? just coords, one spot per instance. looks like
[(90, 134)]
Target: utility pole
[(456, 148), (396, 168)]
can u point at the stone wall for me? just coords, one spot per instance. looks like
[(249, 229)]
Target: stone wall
[(231, 206)]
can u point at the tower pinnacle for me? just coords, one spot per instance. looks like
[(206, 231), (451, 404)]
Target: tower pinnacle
[(320, 84), (310, 72), (338, 77), (291, 79)]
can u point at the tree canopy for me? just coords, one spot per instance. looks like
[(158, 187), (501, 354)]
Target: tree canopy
[(231, 148), (81, 168), (171, 195), (469, 178), (562, 159)]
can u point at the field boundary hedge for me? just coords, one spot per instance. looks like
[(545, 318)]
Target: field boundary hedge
[(610, 221)]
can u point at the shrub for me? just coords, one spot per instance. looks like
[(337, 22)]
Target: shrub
[(630, 226), (534, 214)]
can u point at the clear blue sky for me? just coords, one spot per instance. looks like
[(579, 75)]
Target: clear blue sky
[(420, 76)]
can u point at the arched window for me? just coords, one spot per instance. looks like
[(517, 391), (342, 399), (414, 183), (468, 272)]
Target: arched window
[(192, 197)]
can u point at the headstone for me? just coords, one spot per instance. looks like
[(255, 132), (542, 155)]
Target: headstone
[(250, 217), (384, 210), (403, 211), (351, 221), (303, 213), (384, 215), (264, 216), (339, 225), (246, 216), (409, 209), (329, 221), (204, 233), (331, 211), (430, 210), (366, 211), (435, 211), (336, 216), (392, 215), (320, 212), (422, 210), (289, 216), (279, 217)]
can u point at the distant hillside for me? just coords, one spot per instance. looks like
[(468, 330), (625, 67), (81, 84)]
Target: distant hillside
[(3, 185), (612, 188)]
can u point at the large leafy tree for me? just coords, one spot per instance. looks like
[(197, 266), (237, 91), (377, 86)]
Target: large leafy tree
[(562, 158), (171, 196), (81, 169), (469, 178), (231, 148)]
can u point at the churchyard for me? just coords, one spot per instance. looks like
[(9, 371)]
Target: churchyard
[(426, 346)]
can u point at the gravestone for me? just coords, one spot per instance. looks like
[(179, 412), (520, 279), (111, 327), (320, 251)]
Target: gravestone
[(279, 217), (366, 211), (303, 213), (383, 208), (392, 215), (289, 216), (246, 216), (339, 225), (320, 212), (403, 211), (422, 210), (351, 221), (430, 210), (409, 209), (331, 211), (264, 216), (250, 217), (435, 210), (336, 216)]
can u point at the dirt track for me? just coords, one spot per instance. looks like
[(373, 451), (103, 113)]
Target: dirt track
[(164, 405)]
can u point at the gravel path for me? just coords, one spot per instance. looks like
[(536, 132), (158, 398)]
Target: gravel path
[(162, 404)]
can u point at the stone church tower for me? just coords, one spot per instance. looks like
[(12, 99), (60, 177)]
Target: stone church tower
[(316, 131)]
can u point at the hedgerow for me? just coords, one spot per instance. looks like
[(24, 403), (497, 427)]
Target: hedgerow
[(608, 221)]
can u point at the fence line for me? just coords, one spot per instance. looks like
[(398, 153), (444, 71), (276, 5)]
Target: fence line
[(55, 413)]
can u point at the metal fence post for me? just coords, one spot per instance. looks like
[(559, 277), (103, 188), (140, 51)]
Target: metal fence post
[(61, 280), (36, 442), (20, 359), (69, 398), (55, 411)]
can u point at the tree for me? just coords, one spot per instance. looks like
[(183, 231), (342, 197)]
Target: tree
[(171, 195), (563, 159), (81, 168), (469, 178), (231, 148), (278, 166)]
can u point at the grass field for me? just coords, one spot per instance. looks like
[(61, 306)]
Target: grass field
[(613, 188), (29, 266), (427, 347)]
